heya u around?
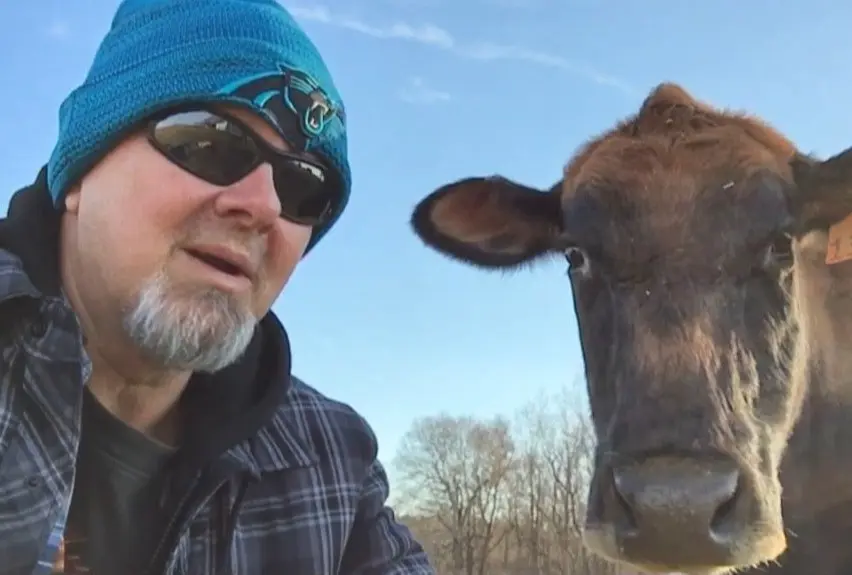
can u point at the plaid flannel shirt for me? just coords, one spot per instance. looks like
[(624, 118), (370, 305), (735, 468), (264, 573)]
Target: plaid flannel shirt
[(318, 508)]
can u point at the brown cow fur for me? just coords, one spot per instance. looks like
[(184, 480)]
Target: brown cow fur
[(709, 320)]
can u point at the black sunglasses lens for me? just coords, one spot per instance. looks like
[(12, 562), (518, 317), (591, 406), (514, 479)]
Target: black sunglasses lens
[(222, 152), (213, 148), (304, 191)]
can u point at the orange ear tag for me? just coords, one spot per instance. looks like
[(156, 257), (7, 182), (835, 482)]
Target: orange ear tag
[(839, 242)]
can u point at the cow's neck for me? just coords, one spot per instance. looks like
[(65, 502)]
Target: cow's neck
[(818, 462)]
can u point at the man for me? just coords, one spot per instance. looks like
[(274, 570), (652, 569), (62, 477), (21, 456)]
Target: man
[(149, 423)]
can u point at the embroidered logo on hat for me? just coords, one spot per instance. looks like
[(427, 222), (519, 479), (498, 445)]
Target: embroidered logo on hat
[(293, 98)]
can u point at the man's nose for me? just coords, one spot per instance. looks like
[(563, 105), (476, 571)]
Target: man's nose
[(253, 200)]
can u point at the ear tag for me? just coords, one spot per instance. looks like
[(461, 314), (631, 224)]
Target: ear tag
[(839, 242)]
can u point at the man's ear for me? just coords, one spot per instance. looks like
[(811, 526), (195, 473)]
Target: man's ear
[(824, 190), (489, 222), (72, 199)]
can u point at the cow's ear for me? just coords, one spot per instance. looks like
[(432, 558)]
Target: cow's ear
[(489, 222), (823, 190)]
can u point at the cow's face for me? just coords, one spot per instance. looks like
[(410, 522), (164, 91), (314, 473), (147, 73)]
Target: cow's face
[(680, 228)]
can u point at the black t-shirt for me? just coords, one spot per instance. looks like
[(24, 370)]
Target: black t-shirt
[(114, 507)]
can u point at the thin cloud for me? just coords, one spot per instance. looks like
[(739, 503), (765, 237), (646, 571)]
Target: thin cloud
[(418, 92), (507, 3), (58, 30), (437, 37), (491, 52), (425, 34)]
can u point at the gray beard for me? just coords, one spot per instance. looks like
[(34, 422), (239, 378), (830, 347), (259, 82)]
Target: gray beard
[(204, 331)]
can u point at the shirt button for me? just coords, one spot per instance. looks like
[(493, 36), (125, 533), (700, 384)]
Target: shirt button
[(38, 327)]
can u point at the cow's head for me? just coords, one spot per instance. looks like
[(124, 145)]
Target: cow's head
[(683, 230)]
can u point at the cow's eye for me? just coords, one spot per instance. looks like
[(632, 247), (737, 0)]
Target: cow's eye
[(779, 252), (578, 261)]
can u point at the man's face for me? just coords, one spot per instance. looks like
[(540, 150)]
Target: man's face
[(133, 230)]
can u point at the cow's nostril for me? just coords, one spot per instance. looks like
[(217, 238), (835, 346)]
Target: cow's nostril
[(724, 520), (625, 518)]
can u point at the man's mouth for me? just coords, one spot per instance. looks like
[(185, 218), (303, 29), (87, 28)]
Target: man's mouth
[(223, 264)]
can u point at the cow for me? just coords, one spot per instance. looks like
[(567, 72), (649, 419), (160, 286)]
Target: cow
[(710, 265)]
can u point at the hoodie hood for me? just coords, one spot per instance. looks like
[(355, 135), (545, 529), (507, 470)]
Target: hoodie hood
[(220, 410)]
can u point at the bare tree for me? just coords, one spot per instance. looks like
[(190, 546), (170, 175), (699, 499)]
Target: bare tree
[(556, 445), (453, 469), (490, 497)]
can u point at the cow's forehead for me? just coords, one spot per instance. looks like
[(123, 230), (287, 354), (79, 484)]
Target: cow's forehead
[(672, 133), (641, 165), (706, 196), (715, 166)]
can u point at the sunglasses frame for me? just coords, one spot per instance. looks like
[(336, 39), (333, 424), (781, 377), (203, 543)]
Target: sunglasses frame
[(266, 153)]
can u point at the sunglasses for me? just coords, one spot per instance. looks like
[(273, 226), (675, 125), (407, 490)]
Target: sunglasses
[(222, 150)]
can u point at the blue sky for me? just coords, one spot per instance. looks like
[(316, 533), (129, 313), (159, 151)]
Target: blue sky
[(441, 89)]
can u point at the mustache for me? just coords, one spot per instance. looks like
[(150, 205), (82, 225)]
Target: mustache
[(248, 252)]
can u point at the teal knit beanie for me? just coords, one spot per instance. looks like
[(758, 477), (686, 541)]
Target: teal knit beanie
[(162, 53)]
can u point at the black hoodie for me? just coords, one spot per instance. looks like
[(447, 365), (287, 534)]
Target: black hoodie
[(219, 410)]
